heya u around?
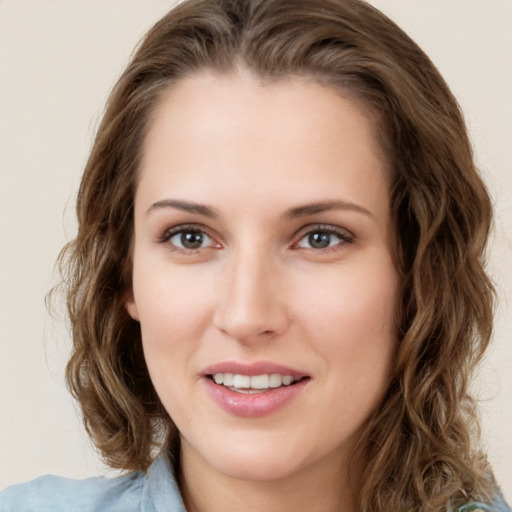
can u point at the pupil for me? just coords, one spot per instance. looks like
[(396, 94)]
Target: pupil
[(319, 240), (192, 239)]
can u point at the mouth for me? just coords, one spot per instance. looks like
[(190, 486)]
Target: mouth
[(253, 384), (253, 390)]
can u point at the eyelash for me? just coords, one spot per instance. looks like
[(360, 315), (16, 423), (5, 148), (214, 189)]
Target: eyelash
[(344, 236), (190, 228)]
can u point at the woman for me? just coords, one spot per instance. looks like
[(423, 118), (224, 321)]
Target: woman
[(276, 291)]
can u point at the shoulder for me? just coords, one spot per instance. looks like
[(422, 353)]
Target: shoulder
[(498, 505), (153, 491), (56, 494)]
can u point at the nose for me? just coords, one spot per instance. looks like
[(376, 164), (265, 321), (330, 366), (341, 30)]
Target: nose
[(252, 303)]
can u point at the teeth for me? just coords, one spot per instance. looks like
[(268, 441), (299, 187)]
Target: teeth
[(242, 381), (275, 380), (287, 380), (248, 384), (228, 379), (259, 382)]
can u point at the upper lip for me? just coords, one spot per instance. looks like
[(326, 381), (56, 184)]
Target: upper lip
[(252, 369)]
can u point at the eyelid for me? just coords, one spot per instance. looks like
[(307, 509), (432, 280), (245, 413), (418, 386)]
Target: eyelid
[(344, 234), (170, 232)]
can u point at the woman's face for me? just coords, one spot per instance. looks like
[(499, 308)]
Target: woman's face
[(262, 256)]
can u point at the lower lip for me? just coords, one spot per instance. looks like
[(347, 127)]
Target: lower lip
[(256, 404)]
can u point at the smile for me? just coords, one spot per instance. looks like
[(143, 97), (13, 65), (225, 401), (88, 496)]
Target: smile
[(253, 384), (253, 390)]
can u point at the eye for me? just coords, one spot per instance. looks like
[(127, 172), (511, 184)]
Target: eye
[(188, 239), (324, 238)]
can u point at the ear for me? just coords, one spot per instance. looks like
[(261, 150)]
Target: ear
[(130, 305)]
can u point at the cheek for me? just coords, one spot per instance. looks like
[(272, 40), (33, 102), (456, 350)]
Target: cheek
[(172, 319), (173, 315), (354, 301), (352, 321)]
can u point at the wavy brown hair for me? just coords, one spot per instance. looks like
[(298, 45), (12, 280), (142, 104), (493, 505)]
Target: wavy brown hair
[(419, 446)]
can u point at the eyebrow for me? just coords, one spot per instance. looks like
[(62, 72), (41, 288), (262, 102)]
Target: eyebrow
[(299, 211), (186, 206), (313, 208)]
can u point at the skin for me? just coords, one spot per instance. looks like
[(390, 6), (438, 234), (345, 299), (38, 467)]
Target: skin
[(257, 289)]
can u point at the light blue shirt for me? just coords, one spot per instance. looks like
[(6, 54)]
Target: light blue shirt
[(154, 491)]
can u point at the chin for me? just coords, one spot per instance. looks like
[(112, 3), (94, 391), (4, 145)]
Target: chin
[(262, 458), (258, 467)]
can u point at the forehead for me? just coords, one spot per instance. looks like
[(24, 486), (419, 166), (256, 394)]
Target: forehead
[(224, 130)]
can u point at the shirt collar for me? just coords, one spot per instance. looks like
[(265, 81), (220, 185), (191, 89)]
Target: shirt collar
[(161, 490)]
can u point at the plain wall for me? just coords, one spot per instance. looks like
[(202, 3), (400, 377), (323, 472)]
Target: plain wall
[(58, 61)]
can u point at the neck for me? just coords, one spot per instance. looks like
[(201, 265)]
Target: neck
[(317, 488)]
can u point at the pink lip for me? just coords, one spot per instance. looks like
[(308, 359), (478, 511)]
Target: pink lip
[(257, 368), (257, 404)]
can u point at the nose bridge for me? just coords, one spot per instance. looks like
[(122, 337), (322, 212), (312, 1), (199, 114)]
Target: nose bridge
[(251, 301)]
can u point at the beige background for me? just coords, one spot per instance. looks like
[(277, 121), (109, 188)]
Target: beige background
[(58, 60)]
